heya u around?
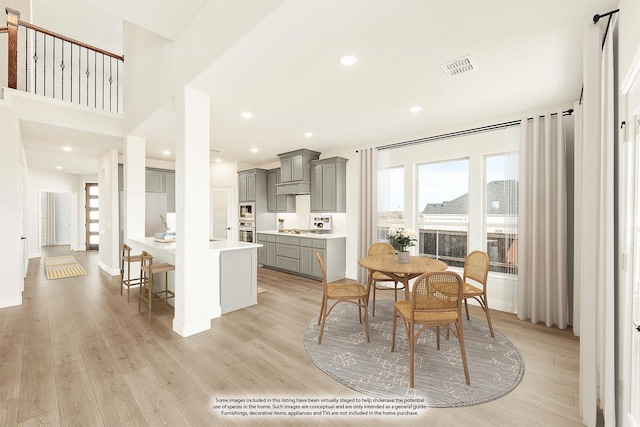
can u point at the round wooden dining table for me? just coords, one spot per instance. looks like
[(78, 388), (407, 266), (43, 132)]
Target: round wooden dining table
[(402, 272)]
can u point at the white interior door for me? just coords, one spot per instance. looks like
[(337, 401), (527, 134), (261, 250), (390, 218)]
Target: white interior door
[(632, 322), (220, 213)]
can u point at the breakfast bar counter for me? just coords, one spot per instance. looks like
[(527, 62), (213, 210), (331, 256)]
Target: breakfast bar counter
[(233, 268)]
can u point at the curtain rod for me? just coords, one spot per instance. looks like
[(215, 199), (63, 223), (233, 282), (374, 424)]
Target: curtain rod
[(463, 132), (596, 18)]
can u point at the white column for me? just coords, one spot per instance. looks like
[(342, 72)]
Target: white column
[(134, 187), (11, 263), (108, 213), (197, 285)]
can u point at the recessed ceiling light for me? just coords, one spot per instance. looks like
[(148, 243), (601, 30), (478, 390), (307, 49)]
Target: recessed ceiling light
[(348, 60), (246, 115), (67, 148), (254, 150), (218, 160), (415, 109), (308, 134), (58, 167), (166, 152)]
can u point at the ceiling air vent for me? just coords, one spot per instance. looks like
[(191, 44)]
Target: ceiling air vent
[(216, 150), (459, 66)]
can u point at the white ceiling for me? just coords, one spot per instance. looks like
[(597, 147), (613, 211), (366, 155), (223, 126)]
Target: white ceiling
[(286, 71)]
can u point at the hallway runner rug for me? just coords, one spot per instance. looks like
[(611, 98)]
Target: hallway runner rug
[(495, 364), (59, 267)]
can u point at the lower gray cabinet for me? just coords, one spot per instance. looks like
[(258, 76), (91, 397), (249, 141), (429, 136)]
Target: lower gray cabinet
[(298, 255), (267, 253)]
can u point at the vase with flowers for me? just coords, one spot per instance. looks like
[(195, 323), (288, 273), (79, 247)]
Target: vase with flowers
[(404, 238)]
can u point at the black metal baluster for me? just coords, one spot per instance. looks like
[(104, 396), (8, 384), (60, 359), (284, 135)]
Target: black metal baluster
[(110, 82), (79, 72), (62, 66), (87, 73), (117, 86), (71, 71), (103, 81), (26, 60), (35, 64), (44, 75), (53, 62)]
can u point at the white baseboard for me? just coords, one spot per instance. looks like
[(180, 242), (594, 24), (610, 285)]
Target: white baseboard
[(11, 301), (35, 255), (111, 271)]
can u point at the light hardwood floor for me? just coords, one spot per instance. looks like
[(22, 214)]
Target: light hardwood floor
[(75, 352)]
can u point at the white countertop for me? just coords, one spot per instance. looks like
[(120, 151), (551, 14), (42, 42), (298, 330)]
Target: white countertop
[(217, 245), (324, 236)]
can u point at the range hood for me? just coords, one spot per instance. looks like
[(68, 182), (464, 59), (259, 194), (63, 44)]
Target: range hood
[(293, 188), (295, 172)]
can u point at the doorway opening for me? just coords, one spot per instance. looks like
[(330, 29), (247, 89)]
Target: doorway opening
[(92, 215)]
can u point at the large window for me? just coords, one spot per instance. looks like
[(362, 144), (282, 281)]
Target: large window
[(501, 212), (390, 199), (443, 210)]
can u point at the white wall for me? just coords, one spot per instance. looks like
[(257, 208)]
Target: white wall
[(56, 182), (11, 209), (63, 211), (108, 213)]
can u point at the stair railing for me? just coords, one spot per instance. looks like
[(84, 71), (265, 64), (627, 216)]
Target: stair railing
[(61, 67)]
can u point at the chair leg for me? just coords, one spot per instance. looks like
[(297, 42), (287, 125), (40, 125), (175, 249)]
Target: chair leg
[(486, 310), (438, 337), (411, 354), (323, 317), (462, 351), (322, 307), (466, 308), (366, 317), (395, 291), (150, 295), (128, 281), (142, 288), (373, 307), (393, 330)]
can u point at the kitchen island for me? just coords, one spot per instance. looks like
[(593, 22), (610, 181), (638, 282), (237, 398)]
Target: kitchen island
[(294, 251), (233, 269)]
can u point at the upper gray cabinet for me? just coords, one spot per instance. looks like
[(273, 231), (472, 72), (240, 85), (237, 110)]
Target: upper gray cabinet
[(294, 171), (328, 185), (154, 181), (248, 184), (170, 178), (278, 202)]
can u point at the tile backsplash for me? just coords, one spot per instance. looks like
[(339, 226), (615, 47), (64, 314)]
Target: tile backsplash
[(300, 219)]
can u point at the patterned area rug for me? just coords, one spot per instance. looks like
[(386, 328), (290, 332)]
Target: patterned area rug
[(59, 267), (495, 364)]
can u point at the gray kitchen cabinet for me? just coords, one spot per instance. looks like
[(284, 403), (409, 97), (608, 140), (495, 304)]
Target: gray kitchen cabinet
[(288, 253), (267, 253), (294, 165), (297, 255), (249, 183), (278, 202), (170, 178), (154, 181), (328, 185)]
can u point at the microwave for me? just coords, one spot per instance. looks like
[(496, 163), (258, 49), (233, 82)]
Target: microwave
[(247, 211)]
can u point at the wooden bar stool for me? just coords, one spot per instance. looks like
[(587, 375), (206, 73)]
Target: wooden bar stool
[(147, 270), (128, 258)]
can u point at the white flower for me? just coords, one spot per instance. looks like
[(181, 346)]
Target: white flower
[(404, 237)]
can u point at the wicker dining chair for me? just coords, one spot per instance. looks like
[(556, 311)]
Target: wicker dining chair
[(476, 270), (355, 293), (382, 248), (436, 301)]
